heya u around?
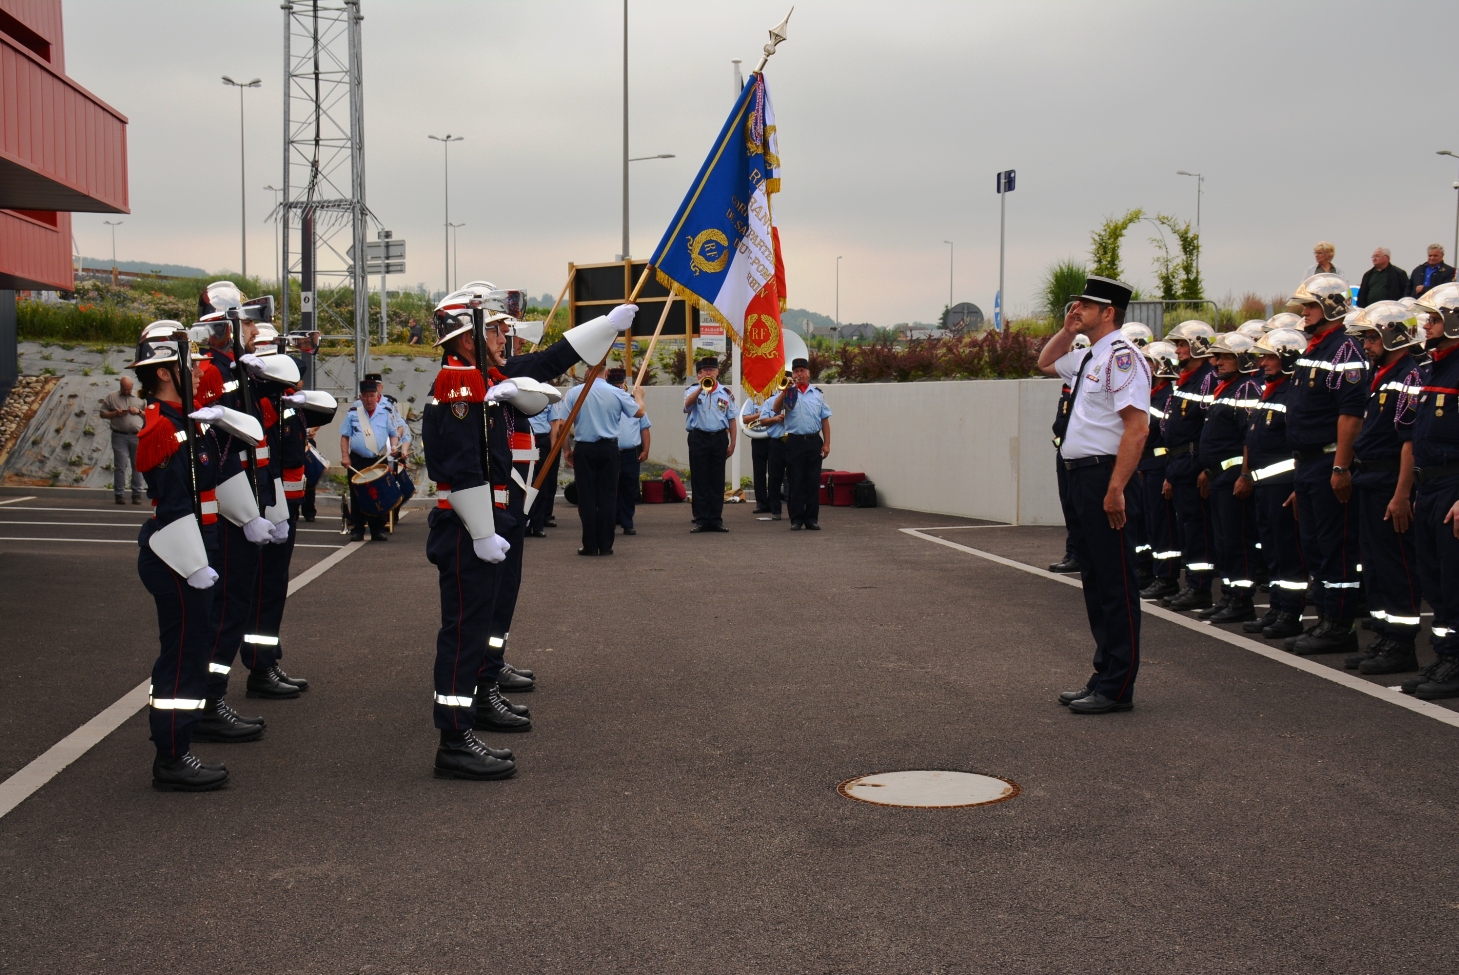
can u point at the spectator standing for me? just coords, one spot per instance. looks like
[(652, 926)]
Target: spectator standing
[(415, 333), (1431, 272), (1323, 252), (125, 413), (1382, 281)]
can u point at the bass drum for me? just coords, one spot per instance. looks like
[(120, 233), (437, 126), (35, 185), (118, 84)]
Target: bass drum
[(376, 491)]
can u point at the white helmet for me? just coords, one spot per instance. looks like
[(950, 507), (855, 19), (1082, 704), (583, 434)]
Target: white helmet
[(1196, 334), (1137, 334), (1241, 346), (1165, 364), (1391, 321), (1081, 341), (1328, 291), (1284, 319), (1254, 328), (1287, 344), (1442, 300)]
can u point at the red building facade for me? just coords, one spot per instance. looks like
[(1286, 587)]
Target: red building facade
[(62, 149)]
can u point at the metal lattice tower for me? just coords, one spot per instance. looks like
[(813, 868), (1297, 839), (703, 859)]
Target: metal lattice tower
[(324, 169)]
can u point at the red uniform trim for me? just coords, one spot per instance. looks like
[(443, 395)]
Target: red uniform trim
[(157, 441)]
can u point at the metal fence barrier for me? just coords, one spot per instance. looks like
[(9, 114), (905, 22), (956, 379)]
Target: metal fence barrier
[(1152, 313)]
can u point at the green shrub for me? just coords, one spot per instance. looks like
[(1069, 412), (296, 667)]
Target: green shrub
[(1061, 282)]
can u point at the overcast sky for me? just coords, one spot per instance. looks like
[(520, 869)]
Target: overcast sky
[(1309, 120)]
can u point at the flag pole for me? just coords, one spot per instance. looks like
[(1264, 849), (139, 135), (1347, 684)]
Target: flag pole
[(571, 272), (648, 356)]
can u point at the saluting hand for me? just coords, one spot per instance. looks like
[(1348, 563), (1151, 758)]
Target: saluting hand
[(1114, 508)]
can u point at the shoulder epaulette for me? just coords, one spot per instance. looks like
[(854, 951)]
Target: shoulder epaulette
[(157, 441), (455, 384), (207, 384)]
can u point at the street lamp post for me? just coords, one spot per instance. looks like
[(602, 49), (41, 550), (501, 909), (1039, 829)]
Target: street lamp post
[(242, 165), (278, 275), (838, 295), (1446, 152), (1200, 181), (455, 255), (113, 226), (950, 249), (445, 141)]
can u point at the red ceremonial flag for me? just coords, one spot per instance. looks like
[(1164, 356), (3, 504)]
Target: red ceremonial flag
[(764, 345)]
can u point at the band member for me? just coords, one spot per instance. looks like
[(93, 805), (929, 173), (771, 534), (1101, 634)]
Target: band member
[(802, 408), (369, 435), (469, 455), (775, 486), (633, 445), (709, 416), (595, 458)]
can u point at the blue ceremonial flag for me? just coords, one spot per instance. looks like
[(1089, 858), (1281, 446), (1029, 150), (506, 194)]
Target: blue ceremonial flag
[(721, 246)]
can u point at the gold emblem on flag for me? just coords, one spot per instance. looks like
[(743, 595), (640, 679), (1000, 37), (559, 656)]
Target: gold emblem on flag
[(755, 326), (708, 252)]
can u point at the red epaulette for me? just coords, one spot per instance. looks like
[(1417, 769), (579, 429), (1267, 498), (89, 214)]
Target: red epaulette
[(497, 376), (459, 384), (157, 441), (207, 384), (270, 415)]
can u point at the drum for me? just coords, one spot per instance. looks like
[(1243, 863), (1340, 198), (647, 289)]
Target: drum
[(376, 491), (314, 465), (406, 484)]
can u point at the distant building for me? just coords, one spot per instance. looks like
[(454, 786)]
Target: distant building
[(851, 331)]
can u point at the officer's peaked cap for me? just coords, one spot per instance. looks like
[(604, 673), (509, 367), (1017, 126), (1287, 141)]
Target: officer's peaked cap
[(1106, 291)]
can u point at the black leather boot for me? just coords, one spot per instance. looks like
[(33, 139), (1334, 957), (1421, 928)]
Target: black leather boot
[(1422, 677), (492, 713), (265, 682), (1353, 661), (1334, 636), (184, 773), (462, 756), (284, 678), (1291, 642), (222, 725), (1160, 588), (511, 680), (223, 708), (530, 675), (1210, 612), (1443, 684), (1261, 622), (1238, 610), (1398, 658), (1285, 625), (1189, 599), (521, 710), (1068, 564)]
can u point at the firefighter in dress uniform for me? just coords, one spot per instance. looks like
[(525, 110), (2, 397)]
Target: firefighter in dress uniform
[(1069, 563), (1182, 431), (1138, 335), (1267, 476), (1221, 455), (469, 456), (1161, 530)]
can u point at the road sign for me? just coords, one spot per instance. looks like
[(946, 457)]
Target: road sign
[(998, 311), (393, 252), (1006, 181), (964, 316)]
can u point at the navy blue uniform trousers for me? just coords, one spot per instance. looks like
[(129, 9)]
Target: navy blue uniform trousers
[(1238, 560), (1438, 560), (1111, 591), (803, 467), (596, 463), (1281, 546), (185, 631), (235, 595), (1160, 529), (509, 584), (760, 462), (468, 587), (1062, 479), (1329, 532), (775, 474), (1390, 561), (273, 592), (542, 506), (628, 468), (1193, 518), (707, 454)]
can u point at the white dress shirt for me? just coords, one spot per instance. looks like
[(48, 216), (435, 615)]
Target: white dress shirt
[(1115, 377)]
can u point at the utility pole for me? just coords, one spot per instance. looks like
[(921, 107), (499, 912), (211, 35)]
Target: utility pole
[(625, 130), (950, 249), (1200, 181), (445, 141), (242, 166), (1006, 181)]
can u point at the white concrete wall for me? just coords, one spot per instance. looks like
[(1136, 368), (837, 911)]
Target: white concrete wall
[(978, 449)]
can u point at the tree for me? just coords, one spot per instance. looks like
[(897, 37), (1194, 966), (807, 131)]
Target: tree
[(1104, 243), (1180, 279)]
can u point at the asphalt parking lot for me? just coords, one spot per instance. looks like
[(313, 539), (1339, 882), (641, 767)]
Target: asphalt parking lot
[(676, 810)]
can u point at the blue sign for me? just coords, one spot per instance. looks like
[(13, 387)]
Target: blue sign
[(1006, 180), (997, 311)]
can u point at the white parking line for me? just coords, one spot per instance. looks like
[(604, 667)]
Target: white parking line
[(89, 511), (24, 783), (28, 497), (80, 524), (1382, 693), (98, 541)]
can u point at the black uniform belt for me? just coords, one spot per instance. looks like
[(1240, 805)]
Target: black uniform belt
[(1074, 465), (800, 436), (1317, 453), (1375, 466), (1422, 474), (1151, 452), (1185, 448)]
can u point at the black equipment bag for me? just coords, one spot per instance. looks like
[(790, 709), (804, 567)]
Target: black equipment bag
[(865, 494)]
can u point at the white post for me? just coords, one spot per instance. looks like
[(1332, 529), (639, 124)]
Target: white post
[(739, 440), (383, 319), (1002, 222)]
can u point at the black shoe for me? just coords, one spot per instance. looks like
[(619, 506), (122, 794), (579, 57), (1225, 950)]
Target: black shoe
[(379, 535), (520, 710), (1444, 683), (1188, 599), (1099, 704), (121, 500), (136, 499), (774, 516), (510, 680), (265, 683), (1216, 609), (299, 682), (1067, 698), (1238, 610), (1261, 622), (1332, 637), (186, 774), (760, 511), (1143, 580), (1291, 642), (587, 551), (492, 713), (223, 726), (1068, 564), (549, 523), (1379, 646), (810, 526), (1160, 588), (530, 675), (630, 531), (358, 535), (223, 708), (1367, 623), (698, 529), (309, 518), (536, 533), (1422, 677), (1398, 658), (462, 756), (1286, 625), (796, 528)]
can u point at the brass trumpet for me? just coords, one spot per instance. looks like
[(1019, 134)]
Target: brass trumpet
[(784, 383), (707, 384)]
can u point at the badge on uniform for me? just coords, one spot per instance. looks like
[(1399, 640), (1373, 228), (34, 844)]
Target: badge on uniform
[(1353, 375), (1124, 361), (459, 410)]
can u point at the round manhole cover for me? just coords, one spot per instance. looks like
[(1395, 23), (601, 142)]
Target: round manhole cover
[(928, 789)]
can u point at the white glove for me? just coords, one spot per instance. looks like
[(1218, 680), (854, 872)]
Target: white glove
[(253, 364), (622, 316), (493, 549), (296, 399), (258, 531), (501, 391), (279, 534), (203, 578), (208, 414)]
